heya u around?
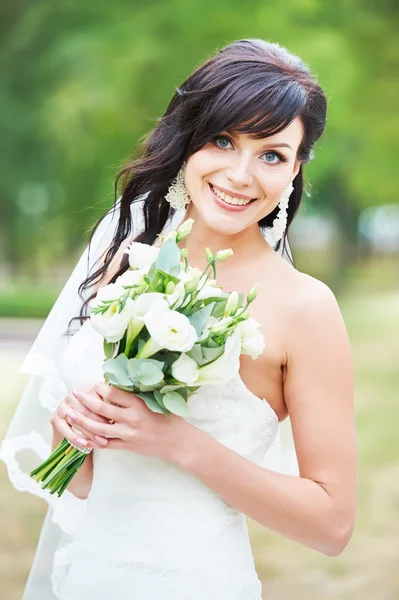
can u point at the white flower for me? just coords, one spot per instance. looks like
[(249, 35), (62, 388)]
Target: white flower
[(210, 322), (252, 339), (141, 255), (231, 304), (112, 324), (209, 290), (225, 367), (110, 292), (142, 306), (185, 369), (175, 299), (170, 330), (131, 277)]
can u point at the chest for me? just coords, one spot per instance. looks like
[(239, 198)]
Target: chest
[(264, 377)]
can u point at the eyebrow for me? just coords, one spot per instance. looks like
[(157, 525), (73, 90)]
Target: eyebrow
[(270, 144), (278, 145)]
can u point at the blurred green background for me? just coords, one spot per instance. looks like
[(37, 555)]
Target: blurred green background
[(81, 83)]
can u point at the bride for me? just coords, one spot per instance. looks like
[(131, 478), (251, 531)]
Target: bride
[(158, 508)]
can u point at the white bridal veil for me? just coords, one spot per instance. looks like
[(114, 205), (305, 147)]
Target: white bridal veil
[(28, 439)]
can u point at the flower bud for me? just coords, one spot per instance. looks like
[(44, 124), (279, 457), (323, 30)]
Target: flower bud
[(184, 230), (253, 293), (231, 304), (208, 254), (170, 288), (222, 255)]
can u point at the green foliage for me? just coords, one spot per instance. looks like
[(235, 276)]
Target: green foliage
[(81, 86)]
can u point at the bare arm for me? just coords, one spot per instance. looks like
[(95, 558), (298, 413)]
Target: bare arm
[(316, 509)]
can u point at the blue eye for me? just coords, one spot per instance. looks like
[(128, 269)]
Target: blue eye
[(271, 154), (225, 141)]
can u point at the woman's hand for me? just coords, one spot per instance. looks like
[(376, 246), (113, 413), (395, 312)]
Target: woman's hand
[(133, 426), (63, 418)]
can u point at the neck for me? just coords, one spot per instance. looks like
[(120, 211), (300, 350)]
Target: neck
[(246, 244)]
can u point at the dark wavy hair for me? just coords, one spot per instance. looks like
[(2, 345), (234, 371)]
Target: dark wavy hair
[(250, 86)]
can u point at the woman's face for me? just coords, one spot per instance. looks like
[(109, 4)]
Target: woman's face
[(235, 180)]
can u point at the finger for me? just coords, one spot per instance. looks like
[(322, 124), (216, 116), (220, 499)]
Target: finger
[(67, 432), (117, 444), (95, 404), (120, 397), (96, 439), (78, 406), (94, 427)]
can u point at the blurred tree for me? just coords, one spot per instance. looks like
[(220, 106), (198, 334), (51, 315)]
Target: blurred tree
[(82, 82)]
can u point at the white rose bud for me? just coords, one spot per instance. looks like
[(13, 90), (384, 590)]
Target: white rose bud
[(253, 293), (185, 369), (208, 254), (252, 339), (141, 255), (184, 230), (170, 288), (231, 304), (222, 255)]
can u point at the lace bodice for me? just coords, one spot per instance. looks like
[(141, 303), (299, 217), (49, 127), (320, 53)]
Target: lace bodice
[(154, 528)]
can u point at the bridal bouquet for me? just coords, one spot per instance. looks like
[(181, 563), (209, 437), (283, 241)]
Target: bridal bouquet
[(168, 329)]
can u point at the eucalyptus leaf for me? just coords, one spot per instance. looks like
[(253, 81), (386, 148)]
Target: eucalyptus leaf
[(176, 404), (150, 374), (200, 317), (169, 388), (211, 354), (152, 403), (196, 354), (219, 308), (168, 259), (117, 368)]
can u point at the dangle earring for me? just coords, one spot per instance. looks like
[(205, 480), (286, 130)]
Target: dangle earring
[(177, 194), (280, 222)]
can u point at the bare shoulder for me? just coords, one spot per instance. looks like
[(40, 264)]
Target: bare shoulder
[(313, 298)]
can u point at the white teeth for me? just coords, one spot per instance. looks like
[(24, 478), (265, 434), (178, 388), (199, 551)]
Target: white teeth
[(230, 199)]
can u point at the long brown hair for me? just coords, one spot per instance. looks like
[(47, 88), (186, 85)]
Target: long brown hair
[(251, 86)]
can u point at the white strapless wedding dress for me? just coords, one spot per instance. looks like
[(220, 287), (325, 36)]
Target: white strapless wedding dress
[(152, 530)]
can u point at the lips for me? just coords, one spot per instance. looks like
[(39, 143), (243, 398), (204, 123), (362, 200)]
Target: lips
[(228, 202)]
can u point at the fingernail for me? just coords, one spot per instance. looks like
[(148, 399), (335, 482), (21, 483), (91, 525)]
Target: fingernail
[(75, 392), (101, 440), (81, 442), (71, 414)]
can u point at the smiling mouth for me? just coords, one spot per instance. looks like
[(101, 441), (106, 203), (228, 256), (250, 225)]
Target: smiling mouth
[(230, 199)]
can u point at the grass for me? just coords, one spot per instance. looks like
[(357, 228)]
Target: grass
[(27, 301), (367, 569)]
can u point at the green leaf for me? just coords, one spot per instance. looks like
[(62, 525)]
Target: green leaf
[(200, 317), (145, 371), (211, 354), (169, 388), (218, 310), (111, 349), (152, 403), (196, 354), (168, 259), (117, 370), (175, 403)]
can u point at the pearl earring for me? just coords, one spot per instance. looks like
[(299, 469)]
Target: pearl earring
[(177, 194), (280, 222)]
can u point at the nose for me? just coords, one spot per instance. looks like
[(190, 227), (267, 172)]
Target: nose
[(240, 172)]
